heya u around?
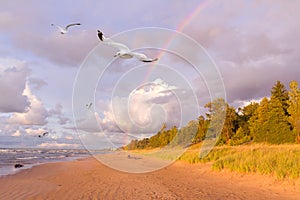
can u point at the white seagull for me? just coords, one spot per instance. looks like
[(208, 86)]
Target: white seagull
[(65, 30), (124, 51)]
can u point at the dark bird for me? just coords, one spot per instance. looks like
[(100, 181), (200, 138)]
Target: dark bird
[(88, 106), (44, 134)]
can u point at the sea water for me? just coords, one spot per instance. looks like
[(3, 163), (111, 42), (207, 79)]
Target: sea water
[(31, 157)]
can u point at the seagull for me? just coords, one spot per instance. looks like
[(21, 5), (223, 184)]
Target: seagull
[(65, 30), (88, 106), (44, 134), (124, 51)]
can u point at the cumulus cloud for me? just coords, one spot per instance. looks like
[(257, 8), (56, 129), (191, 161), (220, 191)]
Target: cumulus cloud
[(12, 85), (36, 114), (143, 111)]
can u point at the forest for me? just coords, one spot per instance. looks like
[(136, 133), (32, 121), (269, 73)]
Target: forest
[(273, 120)]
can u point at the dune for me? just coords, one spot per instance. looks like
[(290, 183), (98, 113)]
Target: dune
[(90, 179)]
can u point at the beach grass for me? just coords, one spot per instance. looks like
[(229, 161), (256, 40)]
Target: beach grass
[(282, 161)]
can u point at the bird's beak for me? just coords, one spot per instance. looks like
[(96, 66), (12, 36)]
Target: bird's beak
[(115, 55)]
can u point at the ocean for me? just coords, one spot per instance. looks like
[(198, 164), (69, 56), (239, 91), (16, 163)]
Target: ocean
[(32, 157)]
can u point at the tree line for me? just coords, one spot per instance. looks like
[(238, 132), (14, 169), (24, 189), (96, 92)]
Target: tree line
[(274, 120)]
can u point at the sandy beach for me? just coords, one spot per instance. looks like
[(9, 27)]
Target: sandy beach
[(90, 179)]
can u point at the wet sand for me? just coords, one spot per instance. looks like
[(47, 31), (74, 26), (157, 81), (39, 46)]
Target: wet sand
[(90, 179)]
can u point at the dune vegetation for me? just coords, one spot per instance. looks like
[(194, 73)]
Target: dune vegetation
[(282, 161)]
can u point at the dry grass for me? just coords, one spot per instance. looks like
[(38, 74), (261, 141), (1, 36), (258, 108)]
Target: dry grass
[(282, 161)]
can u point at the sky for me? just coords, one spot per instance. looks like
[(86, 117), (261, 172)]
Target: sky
[(235, 50)]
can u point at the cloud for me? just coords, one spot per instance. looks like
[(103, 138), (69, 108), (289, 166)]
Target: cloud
[(34, 132), (58, 112), (143, 111), (12, 84), (67, 50), (16, 134), (35, 114), (252, 43), (57, 145), (41, 39), (37, 83)]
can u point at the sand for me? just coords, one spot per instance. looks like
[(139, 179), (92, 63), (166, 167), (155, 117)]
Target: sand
[(90, 179)]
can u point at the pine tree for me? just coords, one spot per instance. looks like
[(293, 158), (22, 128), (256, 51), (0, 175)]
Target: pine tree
[(240, 137), (270, 124), (202, 129), (229, 125), (242, 134), (294, 109), (257, 123), (278, 125), (216, 117), (279, 92)]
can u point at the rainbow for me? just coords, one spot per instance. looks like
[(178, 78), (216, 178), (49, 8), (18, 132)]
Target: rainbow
[(191, 16), (179, 28)]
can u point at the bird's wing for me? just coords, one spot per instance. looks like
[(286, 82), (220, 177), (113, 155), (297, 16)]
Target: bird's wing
[(59, 27), (140, 56), (121, 47), (46, 133), (75, 24), (143, 57)]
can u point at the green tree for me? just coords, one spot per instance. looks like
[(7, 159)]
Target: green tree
[(246, 112), (258, 122), (142, 144), (242, 134), (279, 92), (216, 116), (154, 140), (240, 137), (229, 125), (278, 124), (202, 129), (173, 136), (186, 134), (269, 123), (294, 109), (132, 145)]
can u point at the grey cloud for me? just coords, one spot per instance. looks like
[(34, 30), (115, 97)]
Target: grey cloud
[(57, 112), (12, 85), (37, 83), (252, 50), (63, 120)]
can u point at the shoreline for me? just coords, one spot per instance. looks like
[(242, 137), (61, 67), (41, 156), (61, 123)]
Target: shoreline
[(87, 178), (11, 170)]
